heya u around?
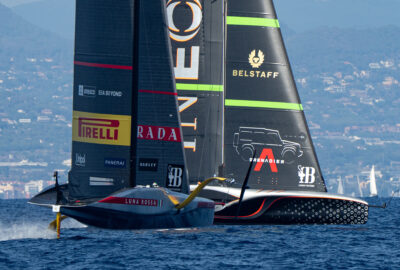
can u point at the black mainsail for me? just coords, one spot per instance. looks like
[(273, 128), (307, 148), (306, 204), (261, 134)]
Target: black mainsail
[(109, 107), (196, 30), (102, 99), (263, 109), (265, 132), (128, 169)]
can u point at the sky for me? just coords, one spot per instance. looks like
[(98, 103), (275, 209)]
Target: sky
[(298, 15), (12, 3)]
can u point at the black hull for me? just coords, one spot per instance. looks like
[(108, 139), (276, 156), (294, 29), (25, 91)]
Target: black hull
[(109, 214), (289, 210), (111, 219)]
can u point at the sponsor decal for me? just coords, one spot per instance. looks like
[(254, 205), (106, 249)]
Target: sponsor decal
[(86, 91), (110, 93), (255, 74), (306, 176), (101, 128), (267, 156), (187, 103), (100, 181), (114, 163), (169, 134), (186, 48), (133, 201), (148, 164), (80, 160), (175, 176), (182, 33), (267, 141), (256, 60), (91, 91)]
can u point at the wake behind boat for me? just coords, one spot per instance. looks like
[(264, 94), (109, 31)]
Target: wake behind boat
[(128, 165), (263, 127)]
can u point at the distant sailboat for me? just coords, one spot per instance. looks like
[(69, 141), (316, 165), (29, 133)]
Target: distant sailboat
[(340, 189), (373, 192)]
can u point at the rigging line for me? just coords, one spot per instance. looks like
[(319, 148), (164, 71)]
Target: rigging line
[(385, 205), (390, 200), (244, 186)]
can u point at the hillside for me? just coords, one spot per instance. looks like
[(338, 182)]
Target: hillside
[(326, 48), (35, 90), (20, 40), (56, 16)]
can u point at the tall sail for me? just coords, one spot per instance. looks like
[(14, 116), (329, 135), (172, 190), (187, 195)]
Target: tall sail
[(102, 98), (124, 123), (196, 30), (340, 189), (372, 182), (263, 112), (160, 153)]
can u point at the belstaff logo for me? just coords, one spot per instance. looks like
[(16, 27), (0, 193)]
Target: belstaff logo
[(306, 176), (256, 59), (101, 128), (175, 176), (183, 35)]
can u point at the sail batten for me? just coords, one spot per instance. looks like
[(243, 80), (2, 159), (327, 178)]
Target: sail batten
[(252, 21), (101, 65), (199, 87), (263, 104)]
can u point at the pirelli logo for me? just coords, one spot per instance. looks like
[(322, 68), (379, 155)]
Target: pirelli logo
[(101, 128)]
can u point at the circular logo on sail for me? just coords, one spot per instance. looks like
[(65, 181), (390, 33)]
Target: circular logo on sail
[(256, 59), (189, 26)]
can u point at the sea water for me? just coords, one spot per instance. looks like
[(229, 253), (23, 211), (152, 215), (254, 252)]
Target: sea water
[(26, 243)]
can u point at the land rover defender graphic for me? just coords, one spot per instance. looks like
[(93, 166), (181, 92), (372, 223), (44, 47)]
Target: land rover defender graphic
[(249, 139)]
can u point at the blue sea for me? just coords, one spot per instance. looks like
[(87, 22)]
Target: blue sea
[(26, 243)]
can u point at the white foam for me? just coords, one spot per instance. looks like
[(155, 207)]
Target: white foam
[(71, 223), (25, 231)]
